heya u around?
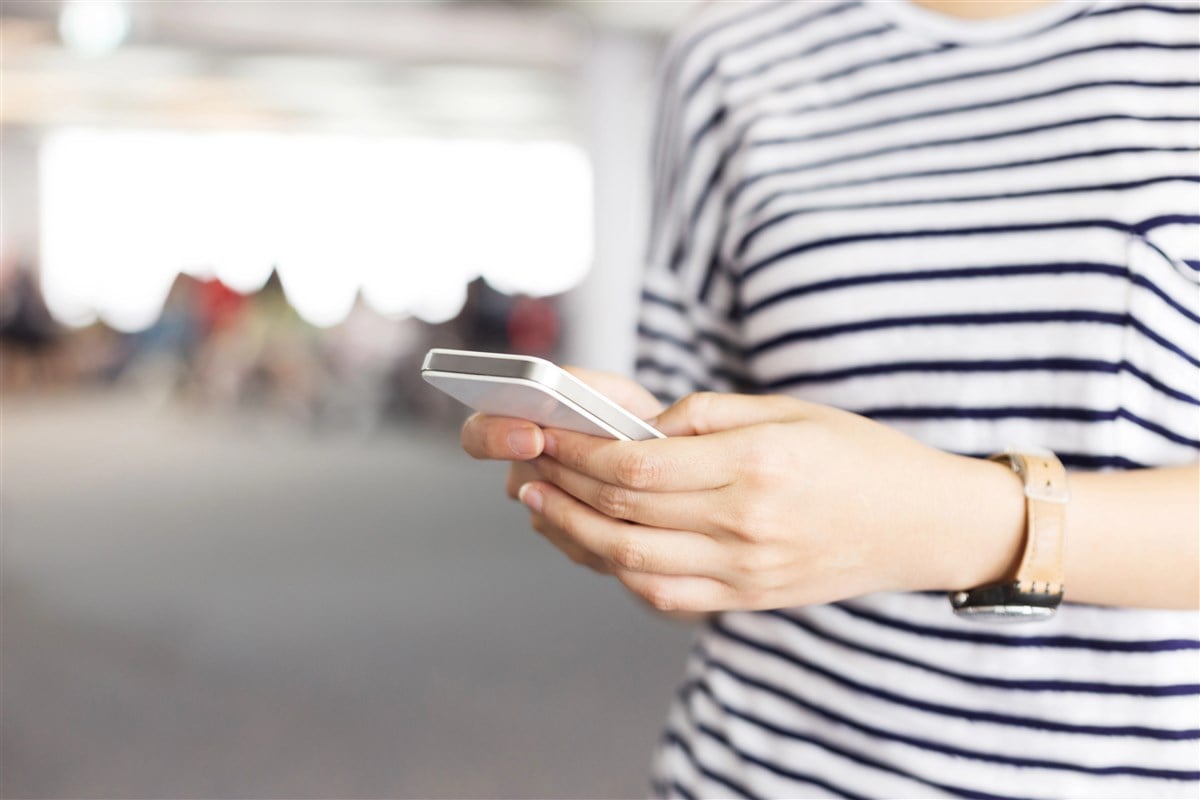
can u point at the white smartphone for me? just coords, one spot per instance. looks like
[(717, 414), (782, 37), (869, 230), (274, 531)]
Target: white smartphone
[(533, 389)]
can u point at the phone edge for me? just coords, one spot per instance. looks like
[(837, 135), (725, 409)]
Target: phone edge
[(546, 373)]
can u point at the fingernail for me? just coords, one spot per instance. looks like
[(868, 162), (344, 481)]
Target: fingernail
[(523, 442), (531, 496), (549, 443)]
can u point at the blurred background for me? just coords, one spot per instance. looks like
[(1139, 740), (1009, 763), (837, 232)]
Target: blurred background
[(240, 552)]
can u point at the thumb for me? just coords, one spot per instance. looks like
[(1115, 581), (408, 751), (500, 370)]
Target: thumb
[(709, 412)]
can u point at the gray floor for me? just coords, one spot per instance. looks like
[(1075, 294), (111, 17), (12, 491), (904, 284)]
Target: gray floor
[(197, 607)]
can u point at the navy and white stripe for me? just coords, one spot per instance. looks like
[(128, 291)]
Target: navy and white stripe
[(983, 234)]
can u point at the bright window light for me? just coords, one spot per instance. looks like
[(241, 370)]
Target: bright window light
[(407, 222)]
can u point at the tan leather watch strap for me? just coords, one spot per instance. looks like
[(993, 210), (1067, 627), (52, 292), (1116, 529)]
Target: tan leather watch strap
[(1041, 569)]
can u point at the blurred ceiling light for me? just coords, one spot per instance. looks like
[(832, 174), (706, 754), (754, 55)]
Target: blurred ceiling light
[(94, 27), (406, 222), (444, 307)]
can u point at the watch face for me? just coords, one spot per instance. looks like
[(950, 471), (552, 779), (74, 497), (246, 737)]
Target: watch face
[(1005, 613)]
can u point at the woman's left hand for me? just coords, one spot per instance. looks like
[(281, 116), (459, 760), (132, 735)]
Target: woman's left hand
[(767, 502)]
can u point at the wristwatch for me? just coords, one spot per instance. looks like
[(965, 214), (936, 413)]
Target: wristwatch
[(1037, 589)]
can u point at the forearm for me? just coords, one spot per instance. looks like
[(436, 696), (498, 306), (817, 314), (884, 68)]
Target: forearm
[(1132, 538)]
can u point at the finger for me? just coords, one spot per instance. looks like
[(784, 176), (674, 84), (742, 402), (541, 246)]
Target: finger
[(501, 438), (520, 473), (690, 511), (636, 548), (621, 390), (686, 463), (709, 412), (561, 541), (678, 593)]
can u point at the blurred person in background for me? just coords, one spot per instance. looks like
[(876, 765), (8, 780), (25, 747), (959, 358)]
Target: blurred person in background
[(28, 334), (975, 226), (361, 353), (220, 357), (285, 372), (160, 355), (258, 353)]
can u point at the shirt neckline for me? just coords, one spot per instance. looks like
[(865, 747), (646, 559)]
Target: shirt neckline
[(958, 30)]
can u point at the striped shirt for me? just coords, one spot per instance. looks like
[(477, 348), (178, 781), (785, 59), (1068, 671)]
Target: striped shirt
[(983, 234)]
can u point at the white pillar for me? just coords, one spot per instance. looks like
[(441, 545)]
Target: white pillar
[(19, 193), (600, 316)]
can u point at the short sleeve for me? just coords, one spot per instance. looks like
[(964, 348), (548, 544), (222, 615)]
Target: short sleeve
[(688, 334)]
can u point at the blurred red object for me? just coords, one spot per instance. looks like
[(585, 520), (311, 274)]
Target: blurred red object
[(218, 307), (532, 326)]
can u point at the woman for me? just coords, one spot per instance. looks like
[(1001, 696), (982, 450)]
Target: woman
[(913, 235)]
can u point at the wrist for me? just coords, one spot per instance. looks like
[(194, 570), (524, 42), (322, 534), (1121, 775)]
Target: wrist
[(983, 529)]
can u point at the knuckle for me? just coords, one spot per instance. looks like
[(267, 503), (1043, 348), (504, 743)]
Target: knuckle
[(752, 599), (691, 402), (572, 457), (696, 409), (761, 449), (754, 563), (560, 512), (631, 554), (636, 470), (614, 501), (749, 522)]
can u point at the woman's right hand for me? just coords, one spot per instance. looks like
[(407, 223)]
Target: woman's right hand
[(520, 442)]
